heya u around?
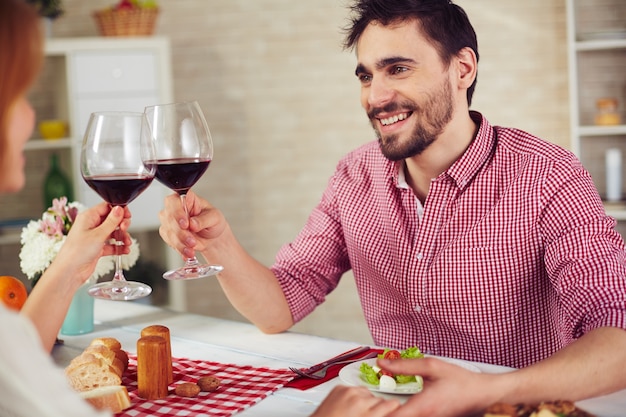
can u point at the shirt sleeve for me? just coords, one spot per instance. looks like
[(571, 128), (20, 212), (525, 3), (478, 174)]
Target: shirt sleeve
[(310, 267), (585, 255), (31, 384)]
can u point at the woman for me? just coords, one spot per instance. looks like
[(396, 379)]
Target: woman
[(30, 383)]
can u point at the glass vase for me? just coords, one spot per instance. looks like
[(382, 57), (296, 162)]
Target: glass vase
[(79, 318)]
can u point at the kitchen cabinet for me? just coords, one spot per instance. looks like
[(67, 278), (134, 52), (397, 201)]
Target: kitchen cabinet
[(596, 39)]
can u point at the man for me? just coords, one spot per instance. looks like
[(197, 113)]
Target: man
[(471, 241)]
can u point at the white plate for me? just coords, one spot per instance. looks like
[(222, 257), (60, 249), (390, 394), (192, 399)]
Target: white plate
[(351, 375)]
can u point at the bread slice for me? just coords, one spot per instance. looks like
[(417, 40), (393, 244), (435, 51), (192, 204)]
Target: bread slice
[(114, 398), (107, 355), (122, 356), (87, 375)]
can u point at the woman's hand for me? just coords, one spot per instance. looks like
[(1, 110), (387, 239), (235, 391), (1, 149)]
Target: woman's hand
[(92, 236), (345, 401)]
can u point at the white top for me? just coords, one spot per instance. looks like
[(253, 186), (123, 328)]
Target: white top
[(31, 384)]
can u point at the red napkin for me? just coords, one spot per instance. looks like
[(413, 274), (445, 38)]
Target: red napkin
[(241, 387), (303, 383)]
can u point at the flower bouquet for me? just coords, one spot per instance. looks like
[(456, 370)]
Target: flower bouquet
[(42, 239)]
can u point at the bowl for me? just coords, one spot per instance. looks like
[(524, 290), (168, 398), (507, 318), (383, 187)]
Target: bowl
[(52, 129)]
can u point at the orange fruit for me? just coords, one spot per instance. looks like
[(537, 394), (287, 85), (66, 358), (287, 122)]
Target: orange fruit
[(12, 292)]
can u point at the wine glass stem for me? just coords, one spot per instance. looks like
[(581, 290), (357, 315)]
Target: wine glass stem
[(119, 274), (192, 261)]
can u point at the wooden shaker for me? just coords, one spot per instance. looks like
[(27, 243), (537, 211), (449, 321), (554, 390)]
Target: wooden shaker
[(164, 332), (152, 378)]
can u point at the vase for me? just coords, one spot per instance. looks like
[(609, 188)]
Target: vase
[(56, 184), (79, 318)]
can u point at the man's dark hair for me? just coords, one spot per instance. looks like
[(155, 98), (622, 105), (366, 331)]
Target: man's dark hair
[(443, 22)]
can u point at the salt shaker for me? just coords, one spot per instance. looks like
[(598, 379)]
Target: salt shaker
[(613, 163)]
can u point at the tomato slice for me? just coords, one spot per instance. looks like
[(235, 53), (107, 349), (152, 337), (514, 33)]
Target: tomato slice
[(385, 372), (392, 354)]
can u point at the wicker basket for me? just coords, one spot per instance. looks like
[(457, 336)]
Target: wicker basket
[(126, 22)]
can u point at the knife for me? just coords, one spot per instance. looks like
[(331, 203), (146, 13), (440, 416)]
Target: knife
[(347, 355)]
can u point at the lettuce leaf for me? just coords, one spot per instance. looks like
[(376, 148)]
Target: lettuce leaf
[(368, 374), (411, 353)]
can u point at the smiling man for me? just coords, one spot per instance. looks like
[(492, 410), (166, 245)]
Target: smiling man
[(468, 240)]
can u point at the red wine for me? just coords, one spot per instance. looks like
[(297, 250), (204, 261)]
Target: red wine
[(180, 174), (118, 189)]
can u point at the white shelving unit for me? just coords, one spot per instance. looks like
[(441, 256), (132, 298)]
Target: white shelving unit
[(101, 74), (596, 33), (83, 75)]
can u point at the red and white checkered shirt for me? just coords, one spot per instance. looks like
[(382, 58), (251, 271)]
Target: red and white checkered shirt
[(512, 259)]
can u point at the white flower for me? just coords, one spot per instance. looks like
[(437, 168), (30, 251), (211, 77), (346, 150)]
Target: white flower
[(42, 239)]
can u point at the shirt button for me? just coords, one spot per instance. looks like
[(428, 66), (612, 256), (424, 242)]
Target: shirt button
[(419, 256), (418, 308)]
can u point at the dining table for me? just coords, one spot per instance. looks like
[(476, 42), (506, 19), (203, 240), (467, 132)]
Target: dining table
[(253, 366)]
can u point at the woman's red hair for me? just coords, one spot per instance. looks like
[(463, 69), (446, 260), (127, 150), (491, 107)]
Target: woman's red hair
[(21, 56)]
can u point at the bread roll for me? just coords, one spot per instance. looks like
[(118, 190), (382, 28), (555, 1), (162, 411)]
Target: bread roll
[(114, 346), (110, 342), (114, 398)]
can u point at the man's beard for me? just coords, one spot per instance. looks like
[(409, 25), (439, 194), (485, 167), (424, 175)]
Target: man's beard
[(433, 116)]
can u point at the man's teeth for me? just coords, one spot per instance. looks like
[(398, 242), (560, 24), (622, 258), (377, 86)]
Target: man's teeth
[(394, 119)]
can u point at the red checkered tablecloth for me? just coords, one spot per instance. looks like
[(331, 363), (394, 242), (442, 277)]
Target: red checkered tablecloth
[(241, 387)]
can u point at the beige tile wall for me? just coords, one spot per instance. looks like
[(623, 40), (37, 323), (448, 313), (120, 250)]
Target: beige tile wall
[(282, 101)]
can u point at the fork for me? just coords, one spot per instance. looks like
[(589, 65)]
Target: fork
[(321, 373)]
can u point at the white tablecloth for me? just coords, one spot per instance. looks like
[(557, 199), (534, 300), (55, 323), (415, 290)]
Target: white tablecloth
[(206, 338)]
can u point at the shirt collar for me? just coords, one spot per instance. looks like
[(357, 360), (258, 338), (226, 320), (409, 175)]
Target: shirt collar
[(463, 169), (476, 155)]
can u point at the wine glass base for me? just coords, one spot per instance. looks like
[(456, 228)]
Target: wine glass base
[(193, 272), (120, 290)]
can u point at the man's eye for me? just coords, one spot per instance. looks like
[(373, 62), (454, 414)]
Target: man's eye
[(399, 70), (364, 78)]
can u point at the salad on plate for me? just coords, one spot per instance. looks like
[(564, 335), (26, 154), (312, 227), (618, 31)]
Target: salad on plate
[(386, 381)]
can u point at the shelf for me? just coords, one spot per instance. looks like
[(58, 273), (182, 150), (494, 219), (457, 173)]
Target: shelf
[(41, 144), (10, 239), (597, 45), (602, 130), (617, 210)]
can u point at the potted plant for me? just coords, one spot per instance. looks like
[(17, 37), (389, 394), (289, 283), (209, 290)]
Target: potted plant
[(50, 9)]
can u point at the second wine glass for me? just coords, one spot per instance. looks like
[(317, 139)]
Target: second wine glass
[(184, 150), (112, 162)]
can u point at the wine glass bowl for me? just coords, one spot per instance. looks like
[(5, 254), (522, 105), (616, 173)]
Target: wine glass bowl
[(183, 152), (114, 162)]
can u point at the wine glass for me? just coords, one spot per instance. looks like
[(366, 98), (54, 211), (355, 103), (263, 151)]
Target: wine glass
[(114, 149), (184, 150)]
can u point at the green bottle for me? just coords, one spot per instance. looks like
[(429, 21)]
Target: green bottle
[(56, 184)]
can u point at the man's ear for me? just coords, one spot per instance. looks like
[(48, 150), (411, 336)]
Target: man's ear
[(466, 67)]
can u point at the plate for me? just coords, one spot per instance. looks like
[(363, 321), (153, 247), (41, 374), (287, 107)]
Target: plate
[(351, 375)]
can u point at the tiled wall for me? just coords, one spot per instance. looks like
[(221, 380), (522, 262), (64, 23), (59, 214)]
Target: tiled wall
[(282, 101)]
